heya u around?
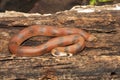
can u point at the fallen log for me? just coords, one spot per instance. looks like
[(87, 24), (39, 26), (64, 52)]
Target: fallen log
[(99, 60)]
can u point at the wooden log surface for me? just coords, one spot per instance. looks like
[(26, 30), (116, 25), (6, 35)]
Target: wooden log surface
[(99, 60)]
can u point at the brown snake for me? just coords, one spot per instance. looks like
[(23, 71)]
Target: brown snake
[(68, 41)]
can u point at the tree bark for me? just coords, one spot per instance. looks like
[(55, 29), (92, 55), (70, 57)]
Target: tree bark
[(99, 60)]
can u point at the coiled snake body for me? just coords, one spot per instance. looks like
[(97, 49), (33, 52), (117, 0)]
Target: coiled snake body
[(72, 38)]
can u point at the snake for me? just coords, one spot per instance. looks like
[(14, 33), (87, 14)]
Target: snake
[(66, 42)]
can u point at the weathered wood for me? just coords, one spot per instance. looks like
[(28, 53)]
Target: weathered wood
[(99, 60)]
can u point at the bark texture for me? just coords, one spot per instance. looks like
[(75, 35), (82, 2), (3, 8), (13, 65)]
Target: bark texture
[(99, 60)]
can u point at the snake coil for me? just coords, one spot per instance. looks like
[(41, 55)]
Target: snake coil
[(68, 41)]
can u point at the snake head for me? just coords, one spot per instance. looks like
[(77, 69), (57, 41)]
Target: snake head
[(57, 53), (92, 38)]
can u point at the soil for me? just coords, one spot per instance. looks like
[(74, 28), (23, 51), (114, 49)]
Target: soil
[(44, 6)]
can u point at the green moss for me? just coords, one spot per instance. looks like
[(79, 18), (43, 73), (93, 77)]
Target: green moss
[(104, 0), (94, 2)]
